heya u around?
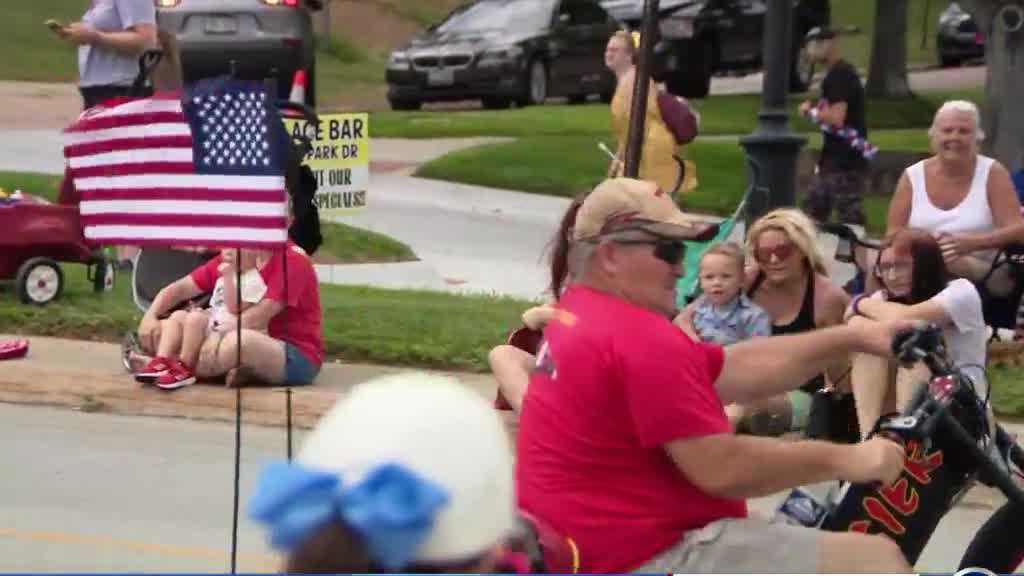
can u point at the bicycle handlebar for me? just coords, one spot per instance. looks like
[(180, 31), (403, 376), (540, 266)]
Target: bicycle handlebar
[(929, 409)]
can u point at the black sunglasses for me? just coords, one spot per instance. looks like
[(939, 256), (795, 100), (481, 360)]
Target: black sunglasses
[(671, 252)]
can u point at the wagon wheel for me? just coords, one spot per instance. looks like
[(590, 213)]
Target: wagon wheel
[(39, 281)]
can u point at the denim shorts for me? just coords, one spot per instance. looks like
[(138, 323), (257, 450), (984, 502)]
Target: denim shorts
[(298, 370)]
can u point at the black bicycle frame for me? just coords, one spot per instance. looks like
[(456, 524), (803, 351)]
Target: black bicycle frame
[(943, 459)]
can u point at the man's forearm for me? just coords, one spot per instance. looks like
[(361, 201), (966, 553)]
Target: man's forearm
[(765, 367), (763, 466)]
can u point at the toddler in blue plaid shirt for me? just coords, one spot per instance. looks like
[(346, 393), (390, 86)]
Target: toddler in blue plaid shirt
[(723, 314)]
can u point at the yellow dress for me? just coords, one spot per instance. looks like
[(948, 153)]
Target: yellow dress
[(656, 161)]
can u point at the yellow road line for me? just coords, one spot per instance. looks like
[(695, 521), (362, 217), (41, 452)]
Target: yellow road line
[(96, 541)]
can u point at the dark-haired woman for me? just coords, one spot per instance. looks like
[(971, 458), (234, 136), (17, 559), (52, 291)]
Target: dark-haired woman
[(511, 363), (916, 285)]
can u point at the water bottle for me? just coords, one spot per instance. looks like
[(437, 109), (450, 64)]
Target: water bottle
[(807, 506)]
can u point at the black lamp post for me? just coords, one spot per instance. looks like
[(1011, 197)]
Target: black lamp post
[(772, 149), (638, 110)]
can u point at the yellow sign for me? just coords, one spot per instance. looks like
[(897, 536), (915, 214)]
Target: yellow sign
[(340, 159)]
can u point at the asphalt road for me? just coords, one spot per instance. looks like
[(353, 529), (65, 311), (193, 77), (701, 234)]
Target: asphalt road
[(94, 492)]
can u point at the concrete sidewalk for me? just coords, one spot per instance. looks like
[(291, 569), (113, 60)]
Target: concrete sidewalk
[(88, 376)]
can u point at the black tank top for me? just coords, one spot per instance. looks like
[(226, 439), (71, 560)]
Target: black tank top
[(804, 322)]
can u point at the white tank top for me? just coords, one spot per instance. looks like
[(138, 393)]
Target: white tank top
[(972, 214)]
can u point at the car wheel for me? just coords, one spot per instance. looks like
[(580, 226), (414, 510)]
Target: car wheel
[(948, 61), (803, 70), (39, 281), (536, 84), (495, 103), (399, 104)]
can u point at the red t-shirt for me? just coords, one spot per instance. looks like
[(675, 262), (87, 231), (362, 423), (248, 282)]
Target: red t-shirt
[(614, 382), (299, 323)]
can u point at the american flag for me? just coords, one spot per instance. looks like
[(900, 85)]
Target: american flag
[(203, 169)]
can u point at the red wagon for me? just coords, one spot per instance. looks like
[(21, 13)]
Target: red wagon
[(35, 237)]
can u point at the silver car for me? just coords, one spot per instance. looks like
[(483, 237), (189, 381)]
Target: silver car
[(264, 38)]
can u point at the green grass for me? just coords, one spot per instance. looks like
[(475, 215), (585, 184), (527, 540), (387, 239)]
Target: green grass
[(861, 13), (1007, 390), (31, 52), (526, 165), (350, 244), (731, 114), (345, 243), (411, 328)]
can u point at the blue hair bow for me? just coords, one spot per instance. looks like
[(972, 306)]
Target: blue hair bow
[(392, 509)]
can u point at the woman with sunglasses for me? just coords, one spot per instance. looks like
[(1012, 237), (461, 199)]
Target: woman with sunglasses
[(916, 285), (789, 280)]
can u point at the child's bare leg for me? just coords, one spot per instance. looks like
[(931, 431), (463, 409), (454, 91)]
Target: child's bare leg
[(873, 390), (511, 367), (192, 340), (171, 335)]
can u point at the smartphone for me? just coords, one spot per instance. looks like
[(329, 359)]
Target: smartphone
[(53, 25)]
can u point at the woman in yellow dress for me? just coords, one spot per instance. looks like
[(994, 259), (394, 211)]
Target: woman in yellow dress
[(659, 145)]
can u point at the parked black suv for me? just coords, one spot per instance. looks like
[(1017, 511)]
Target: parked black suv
[(698, 38), (504, 51)]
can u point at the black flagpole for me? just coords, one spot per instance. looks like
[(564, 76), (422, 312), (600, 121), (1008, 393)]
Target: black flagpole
[(638, 110)]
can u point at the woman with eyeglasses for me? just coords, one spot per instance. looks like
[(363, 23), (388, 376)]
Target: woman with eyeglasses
[(916, 285), (789, 280)]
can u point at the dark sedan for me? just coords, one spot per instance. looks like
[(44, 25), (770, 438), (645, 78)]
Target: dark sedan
[(263, 38), (505, 51), (958, 38)]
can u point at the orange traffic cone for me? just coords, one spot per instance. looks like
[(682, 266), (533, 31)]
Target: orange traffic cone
[(298, 94)]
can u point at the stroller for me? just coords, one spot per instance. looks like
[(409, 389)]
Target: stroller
[(154, 268)]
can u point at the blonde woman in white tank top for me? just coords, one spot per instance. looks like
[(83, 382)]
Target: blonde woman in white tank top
[(965, 199)]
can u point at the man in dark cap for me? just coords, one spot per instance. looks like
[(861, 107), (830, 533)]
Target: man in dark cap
[(842, 169)]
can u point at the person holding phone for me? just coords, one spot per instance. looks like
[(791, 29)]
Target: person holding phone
[(110, 37)]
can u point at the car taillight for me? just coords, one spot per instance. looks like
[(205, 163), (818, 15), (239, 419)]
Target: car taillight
[(289, 3), (166, 3)]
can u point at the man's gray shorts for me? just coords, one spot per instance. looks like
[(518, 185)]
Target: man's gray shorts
[(742, 546)]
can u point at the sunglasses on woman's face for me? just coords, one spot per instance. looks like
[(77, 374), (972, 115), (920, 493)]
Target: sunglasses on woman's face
[(782, 252), (670, 252)]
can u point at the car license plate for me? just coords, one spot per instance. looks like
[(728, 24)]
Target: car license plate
[(221, 25), (442, 77)]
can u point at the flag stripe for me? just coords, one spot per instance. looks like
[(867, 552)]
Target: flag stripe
[(183, 194), (218, 208), (107, 146), (122, 120), (137, 165), (183, 235), (190, 220), (166, 103), (195, 181), (128, 132), (144, 168)]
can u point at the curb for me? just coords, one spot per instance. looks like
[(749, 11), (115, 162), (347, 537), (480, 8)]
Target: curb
[(88, 377), (23, 382)]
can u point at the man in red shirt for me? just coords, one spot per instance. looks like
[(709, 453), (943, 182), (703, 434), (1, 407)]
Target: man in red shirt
[(623, 442)]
